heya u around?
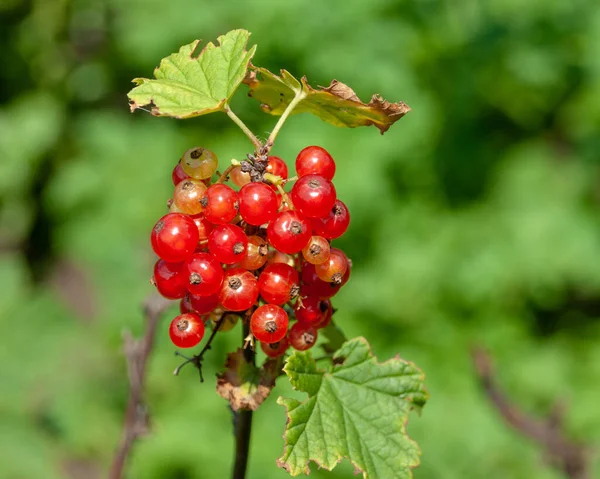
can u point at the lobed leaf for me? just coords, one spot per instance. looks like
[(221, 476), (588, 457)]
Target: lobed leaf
[(187, 84), (357, 409), (337, 104)]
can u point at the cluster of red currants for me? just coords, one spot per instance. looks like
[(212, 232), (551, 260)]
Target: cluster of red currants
[(259, 251)]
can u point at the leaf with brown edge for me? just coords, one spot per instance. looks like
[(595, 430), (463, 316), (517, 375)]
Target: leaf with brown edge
[(243, 384), (195, 82), (337, 104), (356, 409)]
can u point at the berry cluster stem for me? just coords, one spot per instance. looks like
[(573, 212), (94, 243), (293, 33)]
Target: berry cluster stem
[(243, 127), (242, 420), (300, 95)]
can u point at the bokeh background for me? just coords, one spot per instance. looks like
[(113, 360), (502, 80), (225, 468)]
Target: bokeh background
[(475, 221)]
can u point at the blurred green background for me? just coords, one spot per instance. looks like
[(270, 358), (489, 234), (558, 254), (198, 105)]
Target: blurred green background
[(475, 220)]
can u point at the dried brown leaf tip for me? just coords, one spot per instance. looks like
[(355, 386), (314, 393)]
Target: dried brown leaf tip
[(243, 384)]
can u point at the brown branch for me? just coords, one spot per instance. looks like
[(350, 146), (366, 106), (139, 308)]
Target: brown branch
[(570, 457), (137, 352)]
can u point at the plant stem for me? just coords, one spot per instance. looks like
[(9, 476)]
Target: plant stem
[(257, 144), (223, 177), (301, 95), (242, 421)]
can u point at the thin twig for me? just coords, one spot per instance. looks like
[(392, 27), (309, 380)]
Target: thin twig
[(196, 360), (137, 352), (257, 144), (225, 175), (242, 420), (568, 456)]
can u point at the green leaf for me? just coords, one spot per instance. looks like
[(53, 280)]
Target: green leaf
[(189, 84), (357, 409), (337, 104)]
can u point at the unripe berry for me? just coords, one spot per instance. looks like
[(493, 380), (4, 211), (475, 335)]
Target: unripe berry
[(199, 163)]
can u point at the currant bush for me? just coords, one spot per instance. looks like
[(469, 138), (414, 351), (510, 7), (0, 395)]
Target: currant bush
[(259, 253)]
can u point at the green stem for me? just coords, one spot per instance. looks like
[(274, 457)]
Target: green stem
[(257, 144), (301, 95)]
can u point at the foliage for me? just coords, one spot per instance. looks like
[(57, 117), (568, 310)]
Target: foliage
[(475, 222)]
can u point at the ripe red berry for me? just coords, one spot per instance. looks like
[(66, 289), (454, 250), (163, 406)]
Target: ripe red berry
[(333, 270), (302, 336), (203, 304), (169, 279), (239, 290), (178, 174), (314, 160), (185, 306), (316, 250), (204, 227), (310, 310), (204, 274), (313, 196), (276, 166), (220, 203), (334, 224), (256, 255), (258, 203), (186, 330), (228, 243), (327, 315), (187, 196), (269, 323), (278, 283), (275, 349), (174, 237), (313, 286), (289, 231)]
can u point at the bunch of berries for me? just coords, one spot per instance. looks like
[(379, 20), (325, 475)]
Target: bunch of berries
[(258, 253)]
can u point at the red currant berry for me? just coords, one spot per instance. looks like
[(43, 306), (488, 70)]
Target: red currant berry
[(169, 279), (204, 274), (302, 336), (258, 203), (188, 194), (178, 174), (276, 166), (203, 304), (199, 163), (269, 323), (327, 315), (238, 177), (185, 306), (174, 237), (279, 257), (310, 310), (313, 196), (334, 224), (239, 290), (316, 250), (204, 227), (186, 330), (278, 283), (257, 254), (289, 232), (314, 160), (275, 349), (220, 203), (228, 243), (313, 286), (333, 270)]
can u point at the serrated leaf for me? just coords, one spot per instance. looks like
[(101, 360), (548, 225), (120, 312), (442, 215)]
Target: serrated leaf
[(191, 84), (337, 104), (243, 384), (357, 409)]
